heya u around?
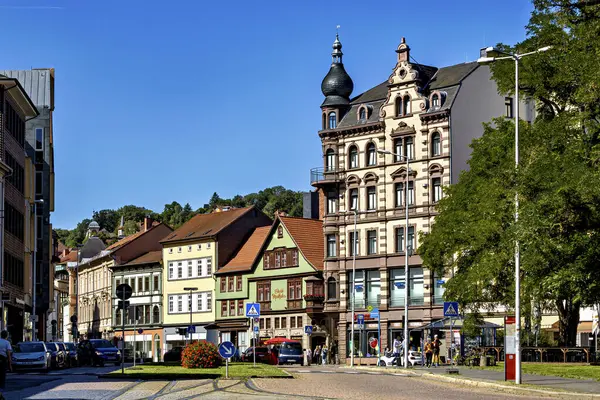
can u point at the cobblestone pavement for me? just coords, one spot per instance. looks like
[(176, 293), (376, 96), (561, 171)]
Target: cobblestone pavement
[(309, 383)]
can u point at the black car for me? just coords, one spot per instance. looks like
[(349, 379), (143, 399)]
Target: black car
[(173, 355), (70, 353), (98, 352), (57, 356)]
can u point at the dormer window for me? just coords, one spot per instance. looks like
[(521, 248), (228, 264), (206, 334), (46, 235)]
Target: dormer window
[(362, 114), (435, 101), (332, 120)]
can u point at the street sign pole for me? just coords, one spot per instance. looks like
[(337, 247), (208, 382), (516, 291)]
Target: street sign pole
[(451, 342), (379, 339), (123, 310), (254, 344), (134, 329)]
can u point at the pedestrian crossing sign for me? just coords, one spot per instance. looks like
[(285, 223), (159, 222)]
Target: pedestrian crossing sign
[(450, 309), (252, 310)]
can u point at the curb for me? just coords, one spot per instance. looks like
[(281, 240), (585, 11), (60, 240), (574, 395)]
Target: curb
[(485, 384)]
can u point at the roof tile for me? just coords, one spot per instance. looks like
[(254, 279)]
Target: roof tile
[(308, 234), (244, 259)]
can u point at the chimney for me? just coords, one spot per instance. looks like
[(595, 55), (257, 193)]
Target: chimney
[(65, 252), (280, 213), (147, 223), (403, 51)]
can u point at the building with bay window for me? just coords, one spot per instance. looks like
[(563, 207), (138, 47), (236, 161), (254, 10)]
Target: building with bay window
[(428, 114), (279, 267)]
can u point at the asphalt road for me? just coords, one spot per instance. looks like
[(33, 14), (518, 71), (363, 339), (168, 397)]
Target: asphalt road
[(309, 383)]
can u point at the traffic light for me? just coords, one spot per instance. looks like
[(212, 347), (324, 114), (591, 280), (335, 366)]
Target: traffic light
[(182, 331), (123, 304)]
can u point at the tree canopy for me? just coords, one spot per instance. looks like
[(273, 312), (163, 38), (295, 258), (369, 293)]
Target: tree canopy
[(473, 237), (174, 214)]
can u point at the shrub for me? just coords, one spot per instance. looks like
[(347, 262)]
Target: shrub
[(200, 354)]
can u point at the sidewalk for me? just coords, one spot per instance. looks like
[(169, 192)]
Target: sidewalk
[(551, 382)]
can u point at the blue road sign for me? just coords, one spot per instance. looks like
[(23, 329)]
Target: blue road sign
[(441, 281), (191, 329), (399, 285), (255, 328), (226, 349), (450, 309), (308, 329), (140, 331), (375, 313), (360, 319), (252, 310)]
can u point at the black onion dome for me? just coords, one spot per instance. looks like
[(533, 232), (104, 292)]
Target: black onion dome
[(337, 85)]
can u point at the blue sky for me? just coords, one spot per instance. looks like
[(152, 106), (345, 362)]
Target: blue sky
[(173, 100)]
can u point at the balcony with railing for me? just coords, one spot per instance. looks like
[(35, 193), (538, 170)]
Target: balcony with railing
[(315, 294), (323, 176)]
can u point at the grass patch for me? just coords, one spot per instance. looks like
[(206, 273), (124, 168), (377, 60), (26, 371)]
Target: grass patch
[(175, 372), (574, 371)]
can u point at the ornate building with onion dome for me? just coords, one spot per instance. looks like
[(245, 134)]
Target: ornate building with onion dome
[(429, 114)]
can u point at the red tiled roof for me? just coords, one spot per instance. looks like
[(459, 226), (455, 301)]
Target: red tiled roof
[(150, 257), (308, 235), (244, 259), (72, 256), (206, 225), (130, 238)]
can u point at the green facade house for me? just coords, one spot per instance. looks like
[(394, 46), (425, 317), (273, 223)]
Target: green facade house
[(280, 267)]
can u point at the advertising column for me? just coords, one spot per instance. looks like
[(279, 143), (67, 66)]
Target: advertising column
[(510, 349)]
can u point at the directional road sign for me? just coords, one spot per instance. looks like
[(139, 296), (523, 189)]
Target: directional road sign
[(450, 309), (308, 329), (360, 319), (252, 310), (226, 349), (255, 328), (124, 291), (374, 313), (191, 329)]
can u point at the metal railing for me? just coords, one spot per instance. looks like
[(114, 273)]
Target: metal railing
[(322, 174)]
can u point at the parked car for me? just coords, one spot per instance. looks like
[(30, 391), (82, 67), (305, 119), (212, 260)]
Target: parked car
[(57, 356), (98, 352), (414, 358), (173, 355), (388, 360), (31, 355), (261, 354), (289, 353), (71, 354)]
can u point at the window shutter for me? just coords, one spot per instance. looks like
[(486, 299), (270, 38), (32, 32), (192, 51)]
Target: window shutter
[(272, 259)]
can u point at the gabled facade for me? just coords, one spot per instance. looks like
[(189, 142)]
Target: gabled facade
[(191, 256), (95, 278), (429, 115), (144, 275), (279, 267)]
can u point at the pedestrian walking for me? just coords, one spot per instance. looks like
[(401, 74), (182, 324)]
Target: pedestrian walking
[(5, 358), (324, 354), (308, 353), (317, 355), (428, 353), (436, 351)]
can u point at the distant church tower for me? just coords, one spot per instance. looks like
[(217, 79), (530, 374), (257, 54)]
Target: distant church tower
[(121, 232), (93, 229)]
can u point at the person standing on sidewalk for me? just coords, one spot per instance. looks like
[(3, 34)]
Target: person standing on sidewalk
[(324, 354), (5, 358), (308, 353), (428, 353), (436, 351), (317, 355)]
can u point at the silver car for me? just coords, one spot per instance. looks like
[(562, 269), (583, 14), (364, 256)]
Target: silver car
[(33, 355)]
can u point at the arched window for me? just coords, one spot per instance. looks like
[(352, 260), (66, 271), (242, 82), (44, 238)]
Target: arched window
[(362, 114), (353, 157), (332, 120), (371, 154), (329, 160), (436, 144), (406, 104), (353, 199), (435, 101), (156, 315), (331, 288), (398, 107)]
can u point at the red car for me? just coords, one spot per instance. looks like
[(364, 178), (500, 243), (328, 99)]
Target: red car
[(261, 354)]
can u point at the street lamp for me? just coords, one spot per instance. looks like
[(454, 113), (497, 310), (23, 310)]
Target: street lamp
[(353, 244), (490, 57), (34, 267), (190, 289), (407, 252)]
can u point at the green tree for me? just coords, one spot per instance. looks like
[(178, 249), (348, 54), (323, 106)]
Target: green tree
[(107, 219)]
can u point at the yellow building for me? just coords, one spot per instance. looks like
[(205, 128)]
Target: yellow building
[(191, 255)]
